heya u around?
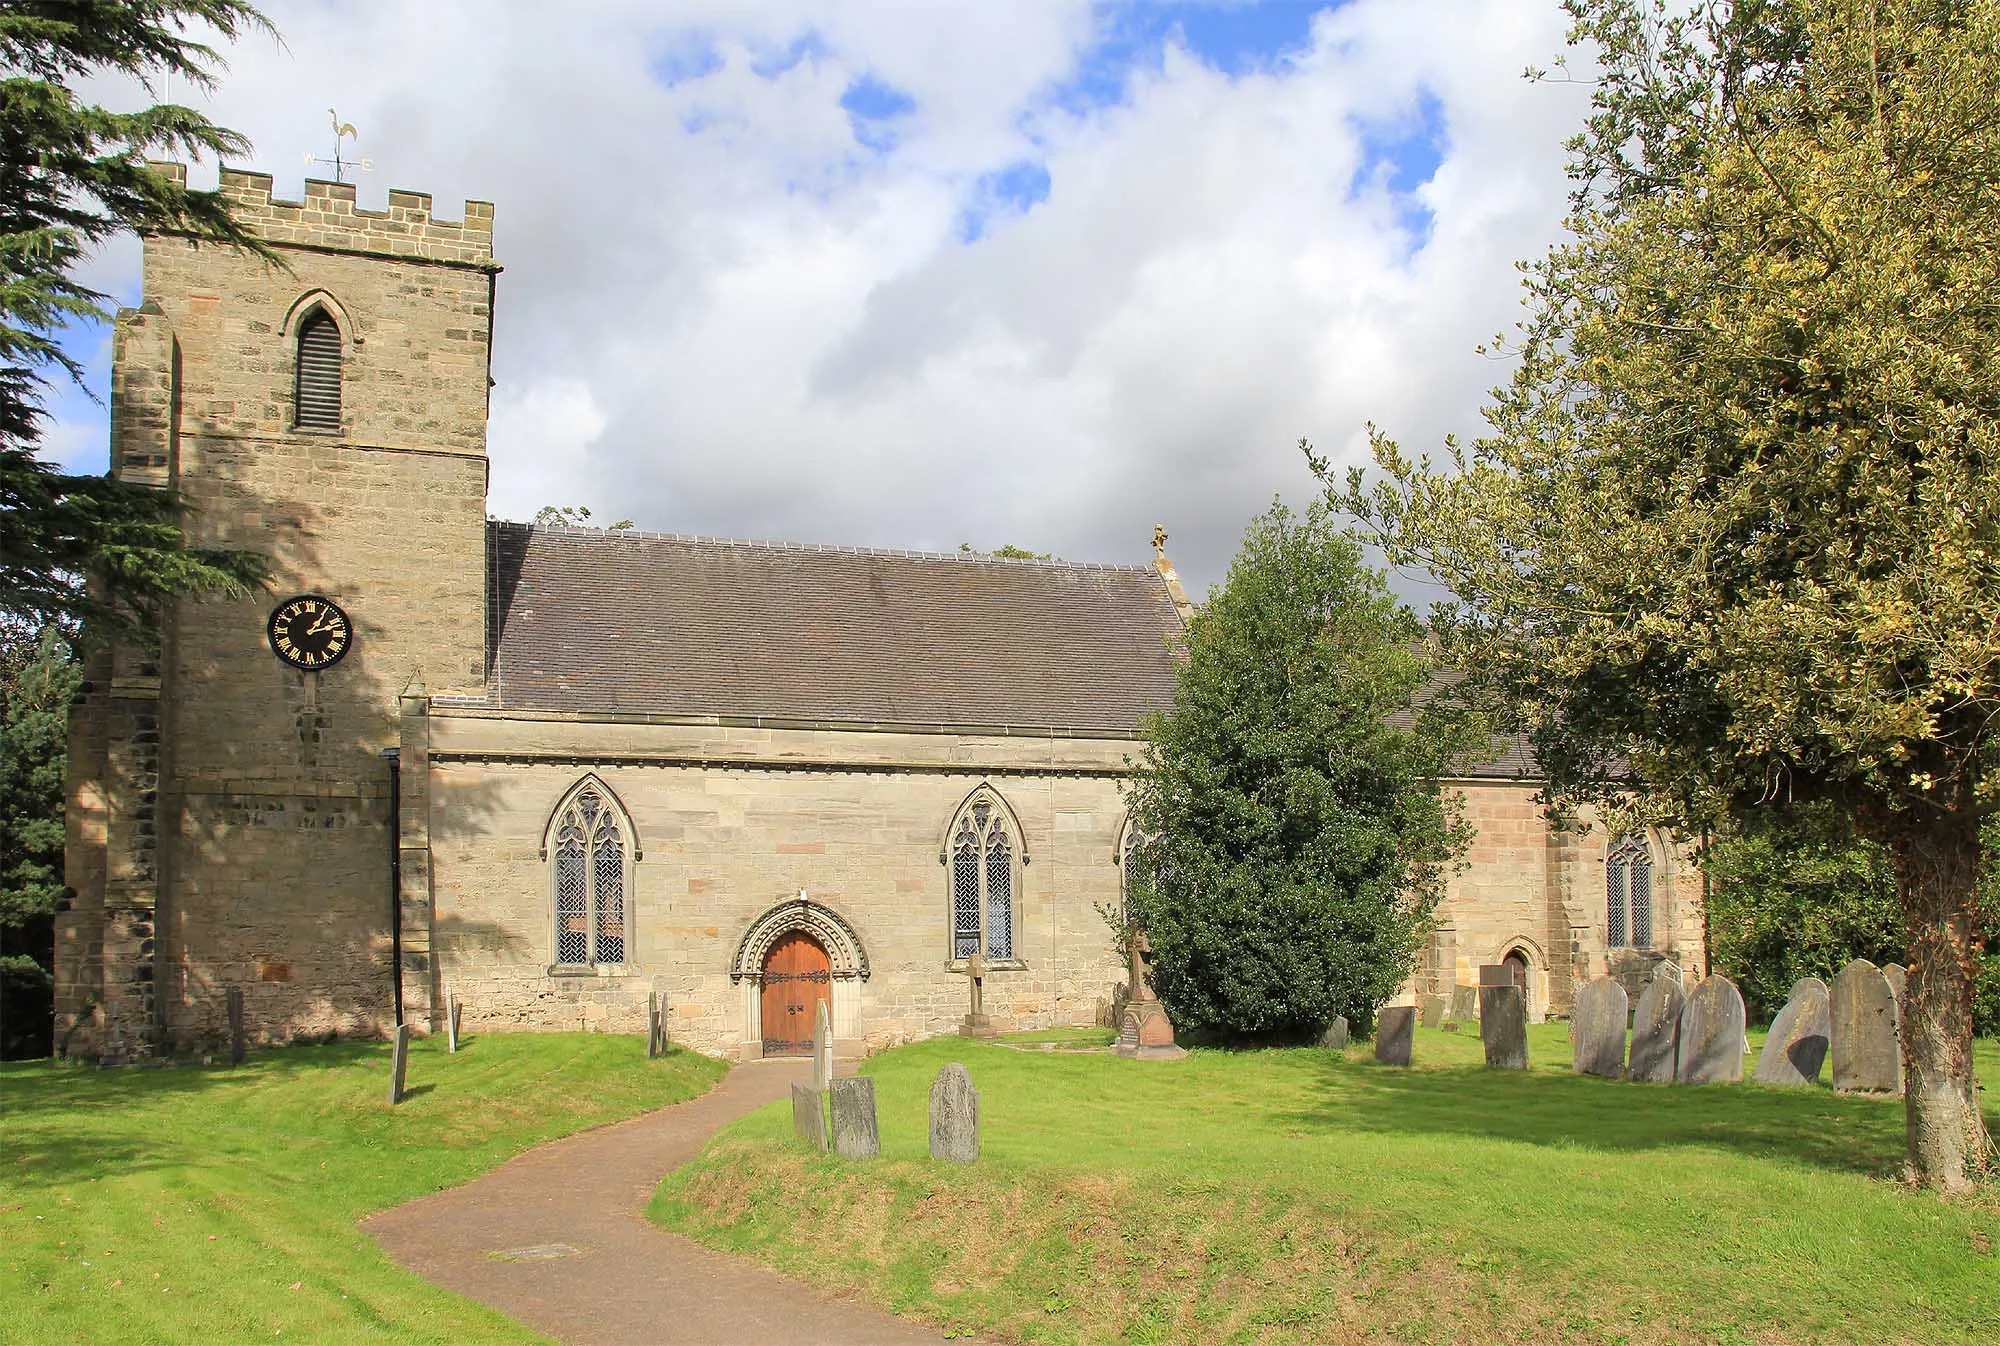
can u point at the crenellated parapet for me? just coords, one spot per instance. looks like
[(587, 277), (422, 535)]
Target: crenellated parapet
[(328, 218)]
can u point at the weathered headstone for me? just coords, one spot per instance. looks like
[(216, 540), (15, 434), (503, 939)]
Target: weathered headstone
[(954, 1116), (809, 1116), (1496, 974), (656, 1025), (1503, 1026), (854, 1133), (1656, 1032), (232, 1000), (1711, 1036), (1866, 1056), (1395, 1027), (822, 1049), (1336, 1035), (1899, 980), (1465, 1003), (1433, 1007), (1597, 1029), (451, 1009), (1796, 1047), (399, 1063)]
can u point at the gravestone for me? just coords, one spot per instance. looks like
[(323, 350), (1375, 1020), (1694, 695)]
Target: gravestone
[(656, 1024), (1656, 1032), (232, 1000), (451, 1013), (1496, 974), (1145, 1032), (954, 1116), (809, 1116), (854, 1133), (1597, 1028), (1433, 1007), (1336, 1035), (1796, 1048), (399, 1063), (1465, 1003), (1395, 1027), (1711, 1035), (1866, 1057), (1503, 1026), (822, 1049), (1899, 980)]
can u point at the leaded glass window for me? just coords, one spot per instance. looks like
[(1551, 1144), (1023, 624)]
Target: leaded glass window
[(982, 881), (589, 847), (1628, 894)]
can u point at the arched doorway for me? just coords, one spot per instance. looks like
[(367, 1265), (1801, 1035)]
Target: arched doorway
[(797, 979), (1516, 962)]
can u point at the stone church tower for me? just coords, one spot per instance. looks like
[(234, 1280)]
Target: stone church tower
[(229, 813)]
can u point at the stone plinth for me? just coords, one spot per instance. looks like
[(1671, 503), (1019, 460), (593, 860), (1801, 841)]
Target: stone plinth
[(1146, 1034)]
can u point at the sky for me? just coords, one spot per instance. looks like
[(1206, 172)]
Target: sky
[(1041, 273)]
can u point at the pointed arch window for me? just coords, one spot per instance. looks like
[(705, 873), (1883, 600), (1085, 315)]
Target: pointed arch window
[(316, 395), (590, 849), (1628, 894), (981, 855)]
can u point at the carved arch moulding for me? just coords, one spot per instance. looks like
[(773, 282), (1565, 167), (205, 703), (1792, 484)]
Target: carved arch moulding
[(844, 951)]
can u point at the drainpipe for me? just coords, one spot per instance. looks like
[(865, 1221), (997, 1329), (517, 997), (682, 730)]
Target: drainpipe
[(391, 756)]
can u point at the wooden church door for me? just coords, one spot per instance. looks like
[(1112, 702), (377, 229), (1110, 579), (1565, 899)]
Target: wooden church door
[(797, 980)]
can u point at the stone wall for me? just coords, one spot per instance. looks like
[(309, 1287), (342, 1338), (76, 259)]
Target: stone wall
[(229, 821), (733, 820)]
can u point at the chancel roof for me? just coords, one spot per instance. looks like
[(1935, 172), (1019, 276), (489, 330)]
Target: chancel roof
[(624, 623)]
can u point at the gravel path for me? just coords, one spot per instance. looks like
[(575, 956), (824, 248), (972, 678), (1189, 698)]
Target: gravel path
[(557, 1239)]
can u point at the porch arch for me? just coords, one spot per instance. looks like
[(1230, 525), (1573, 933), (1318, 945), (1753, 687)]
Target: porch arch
[(847, 966)]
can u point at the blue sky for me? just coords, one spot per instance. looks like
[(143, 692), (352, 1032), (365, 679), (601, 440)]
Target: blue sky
[(1044, 273)]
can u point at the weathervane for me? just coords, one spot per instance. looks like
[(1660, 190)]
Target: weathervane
[(341, 131)]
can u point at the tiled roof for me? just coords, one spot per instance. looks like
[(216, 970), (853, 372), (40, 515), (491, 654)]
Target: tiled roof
[(629, 622)]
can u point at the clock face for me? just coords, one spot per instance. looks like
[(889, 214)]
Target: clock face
[(310, 632)]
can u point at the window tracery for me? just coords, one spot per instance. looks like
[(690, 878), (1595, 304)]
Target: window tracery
[(1628, 894), (589, 846), (982, 855)]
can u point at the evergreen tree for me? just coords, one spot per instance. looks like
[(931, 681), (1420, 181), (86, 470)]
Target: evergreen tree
[(1294, 837), (1734, 539), (38, 676), (85, 549)]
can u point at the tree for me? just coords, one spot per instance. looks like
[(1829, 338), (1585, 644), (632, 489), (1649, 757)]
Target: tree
[(87, 550), (573, 516), (1294, 839), (1733, 539), (38, 676)]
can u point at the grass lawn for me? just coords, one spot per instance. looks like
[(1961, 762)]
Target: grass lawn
[(1300, 1196), (217, 1205)]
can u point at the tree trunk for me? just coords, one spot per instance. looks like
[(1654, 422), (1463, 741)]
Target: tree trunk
[(1938, 861)]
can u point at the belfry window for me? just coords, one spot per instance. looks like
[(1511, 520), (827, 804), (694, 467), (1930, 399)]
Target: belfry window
[(316, 398), (1628, 894), (589, 847), (981, 855)]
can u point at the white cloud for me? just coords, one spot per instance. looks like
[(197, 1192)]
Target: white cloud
[(726, 316)]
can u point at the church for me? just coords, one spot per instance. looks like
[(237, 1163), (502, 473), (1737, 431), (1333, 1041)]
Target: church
[(558, 774)]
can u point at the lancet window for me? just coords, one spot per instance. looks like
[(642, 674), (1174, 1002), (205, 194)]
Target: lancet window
[(982, 854), (589, 848), (1628, 894), (316, 397)]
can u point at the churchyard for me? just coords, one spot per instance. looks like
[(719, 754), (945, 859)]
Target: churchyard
[(1310, 1195), (205, 1203)]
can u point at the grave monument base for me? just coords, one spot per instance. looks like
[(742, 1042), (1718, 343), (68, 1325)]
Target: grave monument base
[(1147, 1034)]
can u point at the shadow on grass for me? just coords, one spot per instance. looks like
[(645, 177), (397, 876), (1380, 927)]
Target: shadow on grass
[(1807, 1126)]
